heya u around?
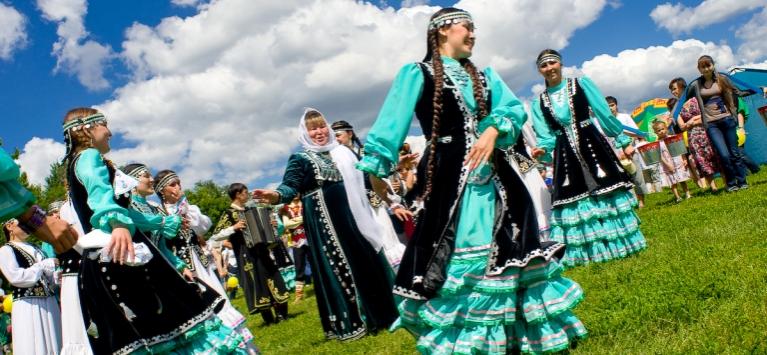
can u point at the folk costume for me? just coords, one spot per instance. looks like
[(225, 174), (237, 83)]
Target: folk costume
[(593, 207), (259, 274), (351, 276), (475, 277), (160, 228), (132, 308), (35, 316)]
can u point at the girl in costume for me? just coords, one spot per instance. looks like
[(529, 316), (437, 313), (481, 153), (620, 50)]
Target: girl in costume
[(129, 304), (475, 277), (259, 274), (162, 227), (674, 169), (592, 205), (35, 315), (351, 276)]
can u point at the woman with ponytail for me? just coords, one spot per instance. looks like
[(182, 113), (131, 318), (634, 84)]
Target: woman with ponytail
[(475, 277), (592, 205)]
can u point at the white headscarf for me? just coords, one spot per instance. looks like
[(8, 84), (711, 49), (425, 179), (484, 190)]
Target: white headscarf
[(354, 181)]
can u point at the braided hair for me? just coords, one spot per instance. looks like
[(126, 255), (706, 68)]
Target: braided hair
[(76, 140), (433, 56)]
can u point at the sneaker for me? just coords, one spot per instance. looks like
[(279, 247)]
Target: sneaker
[(743, 187), (733, 189)]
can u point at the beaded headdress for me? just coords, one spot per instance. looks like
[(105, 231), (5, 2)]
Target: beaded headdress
[(165, 181), (449, 19), (137, 171), (549, 57), (84, 122)]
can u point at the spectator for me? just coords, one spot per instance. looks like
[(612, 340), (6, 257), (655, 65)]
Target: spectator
[(699, 144), (674, 167)]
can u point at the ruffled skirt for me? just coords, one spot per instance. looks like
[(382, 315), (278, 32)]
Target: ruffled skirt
[(525, 309), (598, 228)]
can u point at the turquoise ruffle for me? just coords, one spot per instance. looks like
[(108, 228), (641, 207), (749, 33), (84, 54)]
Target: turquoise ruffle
[(289, 276), (504, 125), (114, 217), (527, 309), (598, 228), (375, 164), (208, 337)]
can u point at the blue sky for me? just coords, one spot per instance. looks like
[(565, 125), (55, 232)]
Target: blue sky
[(34, 96)]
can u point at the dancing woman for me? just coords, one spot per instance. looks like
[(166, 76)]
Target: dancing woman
[(592, 205), (475, 276), (351, 276), (130, 304)]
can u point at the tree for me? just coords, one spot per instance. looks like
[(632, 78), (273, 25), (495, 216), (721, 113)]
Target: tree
[(55, 185)]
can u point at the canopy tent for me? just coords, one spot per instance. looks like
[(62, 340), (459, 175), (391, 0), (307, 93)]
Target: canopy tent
[(644, 114), (754, 80)]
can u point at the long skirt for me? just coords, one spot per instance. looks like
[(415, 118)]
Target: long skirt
[(353, 282), (36, 323), (524, 309), (598, 228), (73, 333)]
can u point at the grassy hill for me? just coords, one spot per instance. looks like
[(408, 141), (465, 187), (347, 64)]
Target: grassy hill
[(700, 287)]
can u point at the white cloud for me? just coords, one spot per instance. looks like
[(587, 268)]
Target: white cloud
[(635, 75), (37, 157), (12, 31), (754, 37), (218, 95), (190, 3), (678, 18), (75, 53)]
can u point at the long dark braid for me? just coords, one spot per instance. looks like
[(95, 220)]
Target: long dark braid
[(477, 87), (439, 84)]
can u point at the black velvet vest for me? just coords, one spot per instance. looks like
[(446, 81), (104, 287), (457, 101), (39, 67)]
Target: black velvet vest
[(41, 287), (584, 163), (423, 268)]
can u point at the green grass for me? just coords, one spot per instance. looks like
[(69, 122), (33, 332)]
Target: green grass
[(700, 287)]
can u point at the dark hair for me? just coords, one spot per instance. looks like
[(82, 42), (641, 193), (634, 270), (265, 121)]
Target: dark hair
[(677, 81), (7, 231), (235, 189), (345, 126), (432, 55), (611, 100), (721, 80), (670, 103)]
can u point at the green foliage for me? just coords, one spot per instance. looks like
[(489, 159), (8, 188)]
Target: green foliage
[(699, 288), (55, 185), (211, 198)]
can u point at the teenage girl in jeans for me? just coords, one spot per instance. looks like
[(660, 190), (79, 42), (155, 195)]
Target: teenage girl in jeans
[(717, 93)]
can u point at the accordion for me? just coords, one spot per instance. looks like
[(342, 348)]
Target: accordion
[(258, 228)]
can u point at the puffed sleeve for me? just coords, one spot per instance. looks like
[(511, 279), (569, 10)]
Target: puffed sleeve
[(198, 222), (390, 128), (92, 172), (543, 133), (19, 276), (168, 226), (14, 198), (292, 181), (611, 126), (507, 114)]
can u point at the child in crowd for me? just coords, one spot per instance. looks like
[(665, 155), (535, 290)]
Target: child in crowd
[(674, 168)]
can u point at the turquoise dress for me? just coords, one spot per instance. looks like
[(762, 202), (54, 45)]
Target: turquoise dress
[(14, 198), (525, 308), (144, 309), (600, 224)]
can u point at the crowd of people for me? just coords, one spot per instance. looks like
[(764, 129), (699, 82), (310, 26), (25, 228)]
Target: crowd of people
[(462, 244)]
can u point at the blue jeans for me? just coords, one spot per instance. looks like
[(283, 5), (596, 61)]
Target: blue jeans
[(724, 138)]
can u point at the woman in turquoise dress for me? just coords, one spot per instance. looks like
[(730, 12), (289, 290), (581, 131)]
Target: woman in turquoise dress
[(592, 204), (130, 304), (475, 277)]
